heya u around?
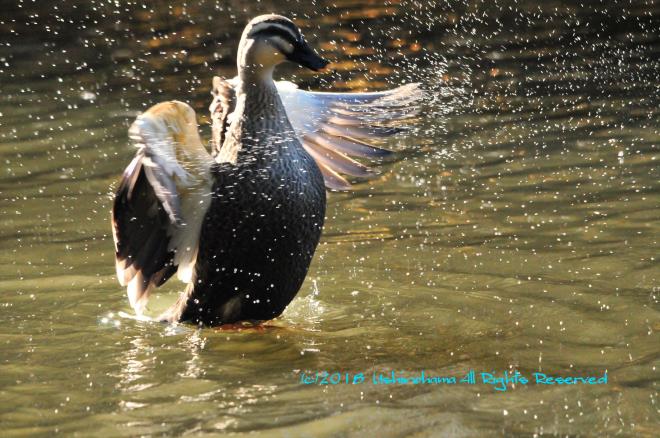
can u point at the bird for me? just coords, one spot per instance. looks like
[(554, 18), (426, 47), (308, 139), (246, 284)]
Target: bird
[(239, 224)]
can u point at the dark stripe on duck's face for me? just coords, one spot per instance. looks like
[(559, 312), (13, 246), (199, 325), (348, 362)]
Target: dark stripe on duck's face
[(287, 31), (282, 45), (286, 24)]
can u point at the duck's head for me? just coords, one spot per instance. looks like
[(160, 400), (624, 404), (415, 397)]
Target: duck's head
[(269, 40)]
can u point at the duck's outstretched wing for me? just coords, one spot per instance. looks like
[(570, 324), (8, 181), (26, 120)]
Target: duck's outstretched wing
[(161, 201), (332, 127)]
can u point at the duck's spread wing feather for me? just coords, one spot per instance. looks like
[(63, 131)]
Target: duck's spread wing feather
[(334, 127), (161, 201)]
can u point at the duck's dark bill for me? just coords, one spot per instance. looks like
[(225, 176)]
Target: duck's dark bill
[(305, 56)]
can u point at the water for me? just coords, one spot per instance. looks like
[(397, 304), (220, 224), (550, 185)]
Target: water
[(519, 230)]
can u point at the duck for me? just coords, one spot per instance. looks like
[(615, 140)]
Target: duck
[(239, 224)]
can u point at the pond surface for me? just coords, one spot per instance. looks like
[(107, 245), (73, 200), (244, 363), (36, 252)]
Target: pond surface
[(518, 231)]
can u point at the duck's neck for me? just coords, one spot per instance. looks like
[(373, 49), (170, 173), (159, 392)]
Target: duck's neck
[(260, 125), (258, 102)]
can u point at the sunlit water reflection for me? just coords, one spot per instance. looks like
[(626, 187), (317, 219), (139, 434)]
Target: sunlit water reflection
[(519, 230)]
